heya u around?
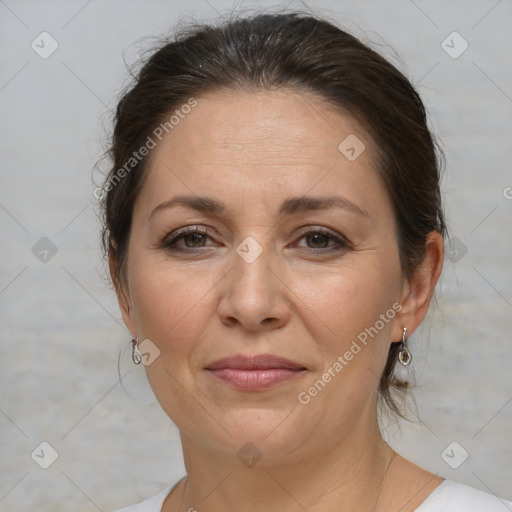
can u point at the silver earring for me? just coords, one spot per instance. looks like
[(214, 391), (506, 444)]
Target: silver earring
[(404, 356), (136, 355)]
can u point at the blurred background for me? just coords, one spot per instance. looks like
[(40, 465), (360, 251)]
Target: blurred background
[(71, 435)]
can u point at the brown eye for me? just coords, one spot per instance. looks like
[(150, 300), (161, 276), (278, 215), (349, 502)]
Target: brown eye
[(319, 239), (193, 238)]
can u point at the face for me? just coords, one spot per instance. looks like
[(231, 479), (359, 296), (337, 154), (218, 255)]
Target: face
[(280, 246)]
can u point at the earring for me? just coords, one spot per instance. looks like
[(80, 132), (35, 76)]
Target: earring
[(136, 355), (404, 356)]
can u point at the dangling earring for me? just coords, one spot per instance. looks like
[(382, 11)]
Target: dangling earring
[(404, 356), (136, 355)]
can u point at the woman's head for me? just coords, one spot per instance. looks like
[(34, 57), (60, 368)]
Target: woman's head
[(257, 122)]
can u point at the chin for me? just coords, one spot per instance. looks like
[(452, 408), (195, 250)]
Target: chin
[(268, 433)]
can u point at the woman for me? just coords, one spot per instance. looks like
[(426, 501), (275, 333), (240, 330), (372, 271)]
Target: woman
[(274, 230)]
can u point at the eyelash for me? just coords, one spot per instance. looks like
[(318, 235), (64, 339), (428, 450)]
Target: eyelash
[(169, 244)]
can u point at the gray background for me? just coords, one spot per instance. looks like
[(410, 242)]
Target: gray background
[(61, 327)]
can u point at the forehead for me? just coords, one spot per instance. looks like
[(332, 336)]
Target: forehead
[(282, 120), (280, 141)]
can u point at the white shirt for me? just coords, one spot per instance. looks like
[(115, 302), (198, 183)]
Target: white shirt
[(449, 496)]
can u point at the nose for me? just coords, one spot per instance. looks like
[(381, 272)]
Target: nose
[(255, 294)]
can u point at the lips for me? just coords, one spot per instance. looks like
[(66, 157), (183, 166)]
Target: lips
[(255, 373), (255, 362)]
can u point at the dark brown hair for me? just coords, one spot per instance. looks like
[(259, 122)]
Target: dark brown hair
[(290, 50)]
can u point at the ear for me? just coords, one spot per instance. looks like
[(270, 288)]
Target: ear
[(123, 296), (418, 291)]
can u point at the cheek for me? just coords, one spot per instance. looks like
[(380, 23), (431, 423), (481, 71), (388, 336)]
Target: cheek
[(173, 304), (169, 308), (167, 304), (346, 300), (355, 309)]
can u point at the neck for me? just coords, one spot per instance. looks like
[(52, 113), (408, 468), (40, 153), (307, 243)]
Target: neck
[(345, 474)]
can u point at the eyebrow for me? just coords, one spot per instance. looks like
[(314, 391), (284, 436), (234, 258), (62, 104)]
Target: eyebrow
[(291, 206)]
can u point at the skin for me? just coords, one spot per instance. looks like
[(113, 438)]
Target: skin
[(305, 298)]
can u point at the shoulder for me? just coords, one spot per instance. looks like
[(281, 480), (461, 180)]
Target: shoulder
[(454, 497), (153, 504)]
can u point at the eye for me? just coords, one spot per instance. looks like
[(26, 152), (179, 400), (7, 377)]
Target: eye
[(318, 239), (193, 237)]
